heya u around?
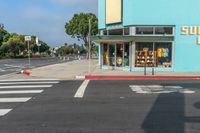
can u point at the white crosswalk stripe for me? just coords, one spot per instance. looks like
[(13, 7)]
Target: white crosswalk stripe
[(17, 83), (9, 89), (4, 111), (14, 100), (21, 92), (27, 86)]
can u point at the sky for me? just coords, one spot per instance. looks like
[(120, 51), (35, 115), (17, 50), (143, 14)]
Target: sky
[(43, 18)]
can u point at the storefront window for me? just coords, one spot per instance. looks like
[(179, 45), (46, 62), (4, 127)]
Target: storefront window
[(116, 55), (151, 54), (144, 30), (116, 32), (126, 31), (164, 30), (144, 54), (126, 55), (108, 54), (119, 59), (164, 54)]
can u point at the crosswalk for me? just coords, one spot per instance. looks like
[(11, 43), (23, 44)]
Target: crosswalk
[(20, 91)]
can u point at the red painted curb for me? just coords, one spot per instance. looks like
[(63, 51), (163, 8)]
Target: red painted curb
[(140, 77), (27, 73)]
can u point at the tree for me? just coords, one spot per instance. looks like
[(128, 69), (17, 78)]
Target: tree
[(3, 34), (78, 26), (14, 46)]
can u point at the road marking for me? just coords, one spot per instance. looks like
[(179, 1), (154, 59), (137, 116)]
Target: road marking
[(21, 92), (14, 100), (149, 86), (2, 70), (187, 92), (10, 66), (15, 83), (25, 86), (13, 80), (81, 90), (158, 89), (4, 111)]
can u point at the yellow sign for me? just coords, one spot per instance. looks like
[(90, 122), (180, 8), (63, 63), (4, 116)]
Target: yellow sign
[(191, 30), (113, 11)]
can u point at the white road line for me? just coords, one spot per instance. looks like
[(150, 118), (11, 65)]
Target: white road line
[(80, 92), (21, 92), (25, 86), (158, 89), (12, 65), (145, 86), (187, 92), (138, 89), (14, 100), (13, 80), (4, 111), (15, 83), (2, 70)]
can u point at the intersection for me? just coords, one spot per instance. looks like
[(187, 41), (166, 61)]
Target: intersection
[(102, 106)]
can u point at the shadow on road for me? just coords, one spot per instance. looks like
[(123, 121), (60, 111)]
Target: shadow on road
[(167, 115)]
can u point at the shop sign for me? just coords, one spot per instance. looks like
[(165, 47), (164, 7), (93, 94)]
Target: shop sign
[(191, 31)]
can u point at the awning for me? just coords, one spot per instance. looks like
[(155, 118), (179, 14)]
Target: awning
[(119, 38)]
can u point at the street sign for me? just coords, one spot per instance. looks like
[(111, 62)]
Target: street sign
[(38, 44), (27, 38)]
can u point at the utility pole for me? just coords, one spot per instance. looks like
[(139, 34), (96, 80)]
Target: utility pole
[(89, 46), (28, 39)]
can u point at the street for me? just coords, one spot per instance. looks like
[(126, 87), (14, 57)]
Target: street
[(16, 65), (99, 106)]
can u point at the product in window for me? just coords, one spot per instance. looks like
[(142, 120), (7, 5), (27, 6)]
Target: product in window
[(166, 52), (119, 61), (159, 52)]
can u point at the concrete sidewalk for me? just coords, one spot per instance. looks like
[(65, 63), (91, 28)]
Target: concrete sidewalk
[(70, 70)]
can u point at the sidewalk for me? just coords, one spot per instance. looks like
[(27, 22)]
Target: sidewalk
[(70, 71)]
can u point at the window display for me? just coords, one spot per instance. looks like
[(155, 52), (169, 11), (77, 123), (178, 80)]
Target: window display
[(153, 54), (144, 55), (116, 55), (164, 54)]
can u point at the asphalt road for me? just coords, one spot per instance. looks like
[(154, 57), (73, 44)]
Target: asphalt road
[(16, 65), (136, 106)]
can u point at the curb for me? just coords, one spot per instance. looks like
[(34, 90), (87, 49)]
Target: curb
[(96, 77), (80, 77)]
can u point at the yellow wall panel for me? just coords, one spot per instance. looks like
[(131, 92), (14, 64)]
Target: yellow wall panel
[(113, 11)]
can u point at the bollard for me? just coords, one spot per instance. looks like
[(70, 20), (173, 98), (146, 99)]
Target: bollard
[(145, 69), (153, 71)]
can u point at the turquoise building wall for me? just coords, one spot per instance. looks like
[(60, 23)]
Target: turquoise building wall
[(165, 12)]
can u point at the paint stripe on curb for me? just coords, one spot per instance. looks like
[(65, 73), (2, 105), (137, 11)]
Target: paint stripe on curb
[(80, 77), (90, 77)]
